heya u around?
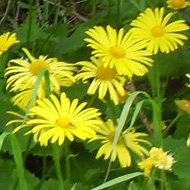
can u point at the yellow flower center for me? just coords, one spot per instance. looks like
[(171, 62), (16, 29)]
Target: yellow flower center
[(111, 137), (106, 73), (37, 66), (117, 52), (177, 4), (158, 31), (64, 122)]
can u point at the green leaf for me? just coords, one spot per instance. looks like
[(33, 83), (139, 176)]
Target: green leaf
[(118, 180)]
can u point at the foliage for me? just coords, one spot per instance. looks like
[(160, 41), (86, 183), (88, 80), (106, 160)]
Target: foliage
[(57, 29)]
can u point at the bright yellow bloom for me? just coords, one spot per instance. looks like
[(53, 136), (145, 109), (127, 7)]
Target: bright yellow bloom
[(105, 79), (119, 50), (178, 4), (23, 73), (159, 159), (128, 140), (6, 41), (56, 120), (152, 27)]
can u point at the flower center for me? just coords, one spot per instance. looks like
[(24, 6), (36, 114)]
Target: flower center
[(117, 52), (177, 4), (111, 137), (158, 31), (64, 122), (37, 66), (106, 73)]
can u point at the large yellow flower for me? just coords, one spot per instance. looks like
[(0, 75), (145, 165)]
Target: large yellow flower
[(105, 79), (119, 50), (128, 140), (6, 41), (55, 120), (178, 4), (152, 27), (22, 73)]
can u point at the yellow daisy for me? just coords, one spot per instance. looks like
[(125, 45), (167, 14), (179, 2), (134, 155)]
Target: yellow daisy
[(157, 158), (119, 50), (21, 72), (55, 120), (178, 4), (128, 140), (152, 27), (6, 41), (162, 160), (104, 79)]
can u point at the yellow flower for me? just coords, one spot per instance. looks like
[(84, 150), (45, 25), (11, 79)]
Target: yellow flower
[(184, 105), (6, 41), (119, 50), (105, 79), (152, 27), (157, 158), (22, 72), (147, 165), (56, 120), (161, 159), (178, 4), (128, 140)]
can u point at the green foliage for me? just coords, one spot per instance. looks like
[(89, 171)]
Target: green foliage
[(57, 29)]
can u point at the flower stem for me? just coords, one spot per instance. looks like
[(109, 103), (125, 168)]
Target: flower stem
[(56, 157)]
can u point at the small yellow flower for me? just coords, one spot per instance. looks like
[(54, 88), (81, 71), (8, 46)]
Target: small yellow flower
[(6, 41), (184, 105), (178, 4), (161, 159), (128, 140), (104, 79), (157, 158), (153, 28), (119, 50)]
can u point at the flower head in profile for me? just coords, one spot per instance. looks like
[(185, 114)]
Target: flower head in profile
[(157, 158), (119, 50), (128, 141), (23, 72), (6, 41), (183, 105), (153, 27), (178, 4), (104, 79), (54, 120)]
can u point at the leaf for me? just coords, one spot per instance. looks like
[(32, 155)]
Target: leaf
[(73, 42), (6, 170), (117, 180)]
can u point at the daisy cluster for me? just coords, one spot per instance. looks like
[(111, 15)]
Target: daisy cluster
[(116, 57)]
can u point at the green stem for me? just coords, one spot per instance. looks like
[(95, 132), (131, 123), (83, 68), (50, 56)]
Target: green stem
[(17, 155), (67, 160), (56, 157), (172, 123)]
